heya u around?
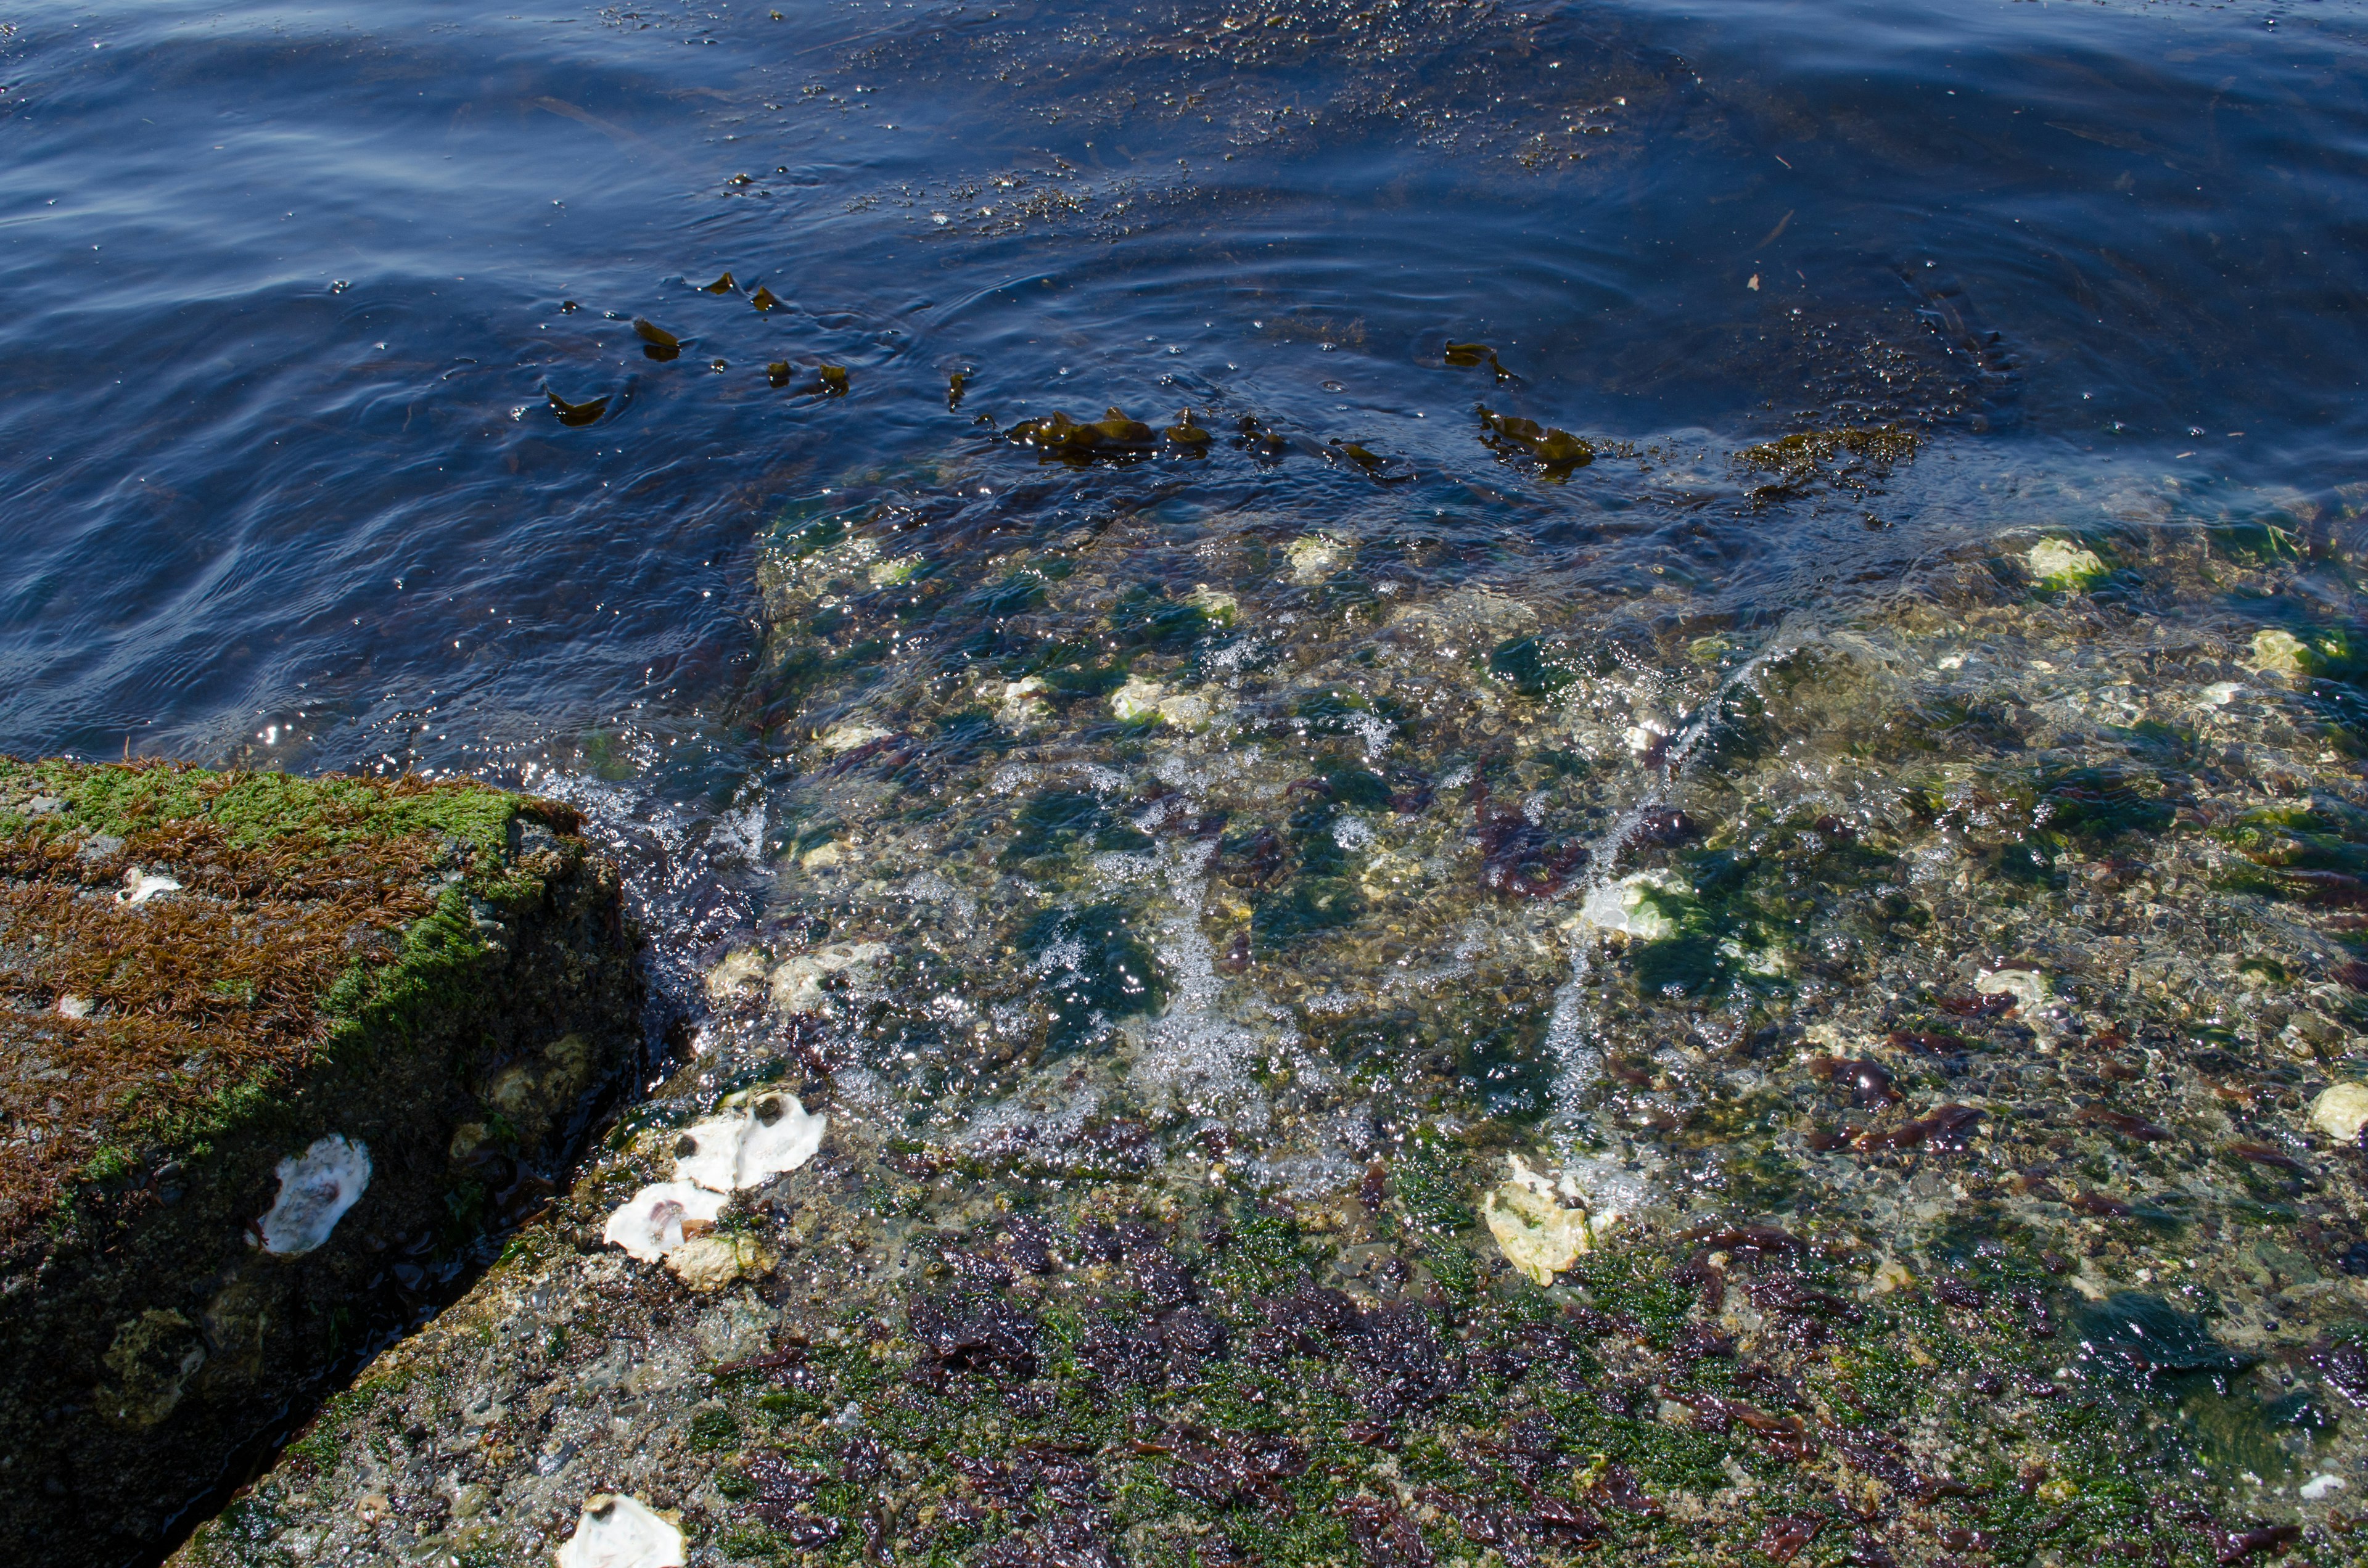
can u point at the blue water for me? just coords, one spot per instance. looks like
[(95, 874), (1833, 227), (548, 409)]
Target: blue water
[(287, 290)]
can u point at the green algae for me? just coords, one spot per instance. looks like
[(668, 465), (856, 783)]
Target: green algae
[(1096, 971)]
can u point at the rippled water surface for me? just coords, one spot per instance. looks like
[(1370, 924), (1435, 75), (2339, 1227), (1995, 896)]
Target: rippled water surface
[(1666, 550)]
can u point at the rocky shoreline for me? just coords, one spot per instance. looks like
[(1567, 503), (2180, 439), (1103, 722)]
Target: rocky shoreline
[(279, 1055)]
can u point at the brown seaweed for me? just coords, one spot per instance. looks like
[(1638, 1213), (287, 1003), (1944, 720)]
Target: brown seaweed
[(575, 414), (658, 343)]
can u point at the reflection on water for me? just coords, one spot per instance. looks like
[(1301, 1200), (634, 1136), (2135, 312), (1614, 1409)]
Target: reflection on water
[(1758, 605)]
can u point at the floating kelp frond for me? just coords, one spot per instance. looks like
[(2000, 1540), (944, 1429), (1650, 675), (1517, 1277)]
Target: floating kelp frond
[(1112, 436), (956, 384), (658, 343), (1187, 435), (1471, 356), (723, 285), (1556, 450), (576, 414), (764, 298)]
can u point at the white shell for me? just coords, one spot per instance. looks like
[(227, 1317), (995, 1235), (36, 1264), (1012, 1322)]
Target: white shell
[(140, 886), (709, 1263), (316, 1188), (769, 1149), (797, 983), (708, 1153), (618, 1531), (741, 1149), (661, 1217)]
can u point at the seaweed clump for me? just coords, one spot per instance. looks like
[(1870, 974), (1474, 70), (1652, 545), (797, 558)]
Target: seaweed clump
[(1853, 458)]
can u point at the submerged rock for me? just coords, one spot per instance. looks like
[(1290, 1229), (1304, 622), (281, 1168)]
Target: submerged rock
[(277, 1055)]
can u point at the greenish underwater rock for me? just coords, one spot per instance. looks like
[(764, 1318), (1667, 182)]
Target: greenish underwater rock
[(276, 1056)]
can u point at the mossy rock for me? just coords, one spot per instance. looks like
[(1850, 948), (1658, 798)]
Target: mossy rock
[(208, 976)]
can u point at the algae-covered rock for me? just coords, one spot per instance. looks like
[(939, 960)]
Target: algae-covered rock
[(277, 1055), (2060, 563)]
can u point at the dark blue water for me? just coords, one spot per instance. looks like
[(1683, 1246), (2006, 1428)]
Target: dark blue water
[(287, 286)]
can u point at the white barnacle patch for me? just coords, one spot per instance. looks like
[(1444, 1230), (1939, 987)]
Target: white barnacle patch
[(1629, 908), (2028, 987), (1314, 558), (316, 1188), (140, 886), (797, 984), (661, 1217), (1540, 1220), (2060, 563), (755, 1140), (618, 1531), (2341, 1111)]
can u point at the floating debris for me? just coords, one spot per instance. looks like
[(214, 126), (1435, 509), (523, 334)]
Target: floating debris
[(1113, 437), (1557, 451), (1471, 356)]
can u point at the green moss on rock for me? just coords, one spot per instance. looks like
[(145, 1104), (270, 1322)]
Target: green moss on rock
[(207, 973)]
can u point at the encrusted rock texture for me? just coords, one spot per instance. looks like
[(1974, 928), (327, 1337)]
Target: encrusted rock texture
[(206, 978), (912, 1368), (1238, 998)]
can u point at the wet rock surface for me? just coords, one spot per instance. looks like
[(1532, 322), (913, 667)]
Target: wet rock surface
[(276, 1058), (1330, 1060)]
